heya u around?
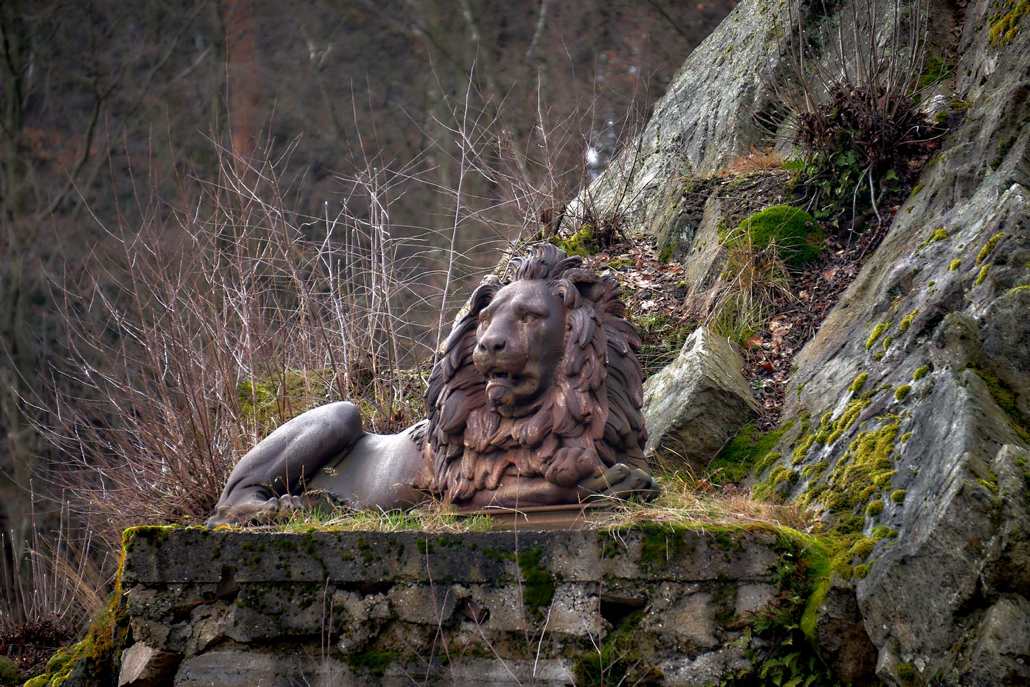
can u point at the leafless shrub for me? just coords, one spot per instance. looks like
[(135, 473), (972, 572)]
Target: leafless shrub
[(851, 96), (50, 587), (216, 322)]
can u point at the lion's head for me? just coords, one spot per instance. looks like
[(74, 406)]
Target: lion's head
[(538, 381)]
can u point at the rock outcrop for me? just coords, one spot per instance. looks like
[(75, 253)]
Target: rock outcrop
[(907, 419), (696, 404), (937, 325)]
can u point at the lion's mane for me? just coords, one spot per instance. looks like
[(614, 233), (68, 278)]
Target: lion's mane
[(594, 401)]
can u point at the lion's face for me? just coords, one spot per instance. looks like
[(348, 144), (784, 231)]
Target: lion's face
[(519, 344)]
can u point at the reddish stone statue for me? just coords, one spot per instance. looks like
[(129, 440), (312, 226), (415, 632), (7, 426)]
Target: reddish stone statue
[(535, 401)]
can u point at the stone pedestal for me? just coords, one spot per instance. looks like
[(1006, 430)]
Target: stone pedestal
[(659, 604)]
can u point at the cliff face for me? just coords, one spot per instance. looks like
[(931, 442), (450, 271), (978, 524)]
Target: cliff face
[(927, 456)]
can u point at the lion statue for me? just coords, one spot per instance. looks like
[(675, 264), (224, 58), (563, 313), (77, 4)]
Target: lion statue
[(534, 401)]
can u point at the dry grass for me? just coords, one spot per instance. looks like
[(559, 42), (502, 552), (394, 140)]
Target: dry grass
[(432, 518), (683, 501), (50, 588), (687, 501), (754, 161), (739, 302)]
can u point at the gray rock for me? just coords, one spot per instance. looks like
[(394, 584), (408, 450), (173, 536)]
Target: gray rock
[(235, 668), (704, 670), (706, 116), (145, 666), (1001, 655), (697, 403), (841, 639)]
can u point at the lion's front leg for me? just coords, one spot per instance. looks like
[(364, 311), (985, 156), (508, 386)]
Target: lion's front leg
[(619, 481), (573, 462)]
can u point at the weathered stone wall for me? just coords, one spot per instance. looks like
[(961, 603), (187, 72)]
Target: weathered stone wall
[(663, 605)]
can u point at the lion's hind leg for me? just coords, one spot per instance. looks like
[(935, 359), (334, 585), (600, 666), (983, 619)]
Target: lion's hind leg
[(268, 478)]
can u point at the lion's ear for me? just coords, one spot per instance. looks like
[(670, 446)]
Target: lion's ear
[(587, 283)]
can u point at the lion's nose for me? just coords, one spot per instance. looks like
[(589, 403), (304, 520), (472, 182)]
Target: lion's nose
[(491, 343)]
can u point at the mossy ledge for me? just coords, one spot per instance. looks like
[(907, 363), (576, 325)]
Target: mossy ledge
[(757, 583)]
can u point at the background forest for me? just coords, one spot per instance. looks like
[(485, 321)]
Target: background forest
[(211, 209)]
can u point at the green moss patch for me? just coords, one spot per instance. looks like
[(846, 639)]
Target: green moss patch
[(537, 582), (582, 243), (876, 333), (989, 246), (1005, 24), (858, 382), (743, 452), (907, 320), (9, 673), (864, 469), (1005, 397), (796, 235), (938, 234), (373, 662)]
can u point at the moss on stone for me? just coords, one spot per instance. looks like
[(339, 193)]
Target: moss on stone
[(920, 372), (876, 333), (269, 400), (862, 470), (1006, 23), (9, 673), (373, 662), (901, 393), (898, 495), (537, 582), (1005, 397), (847, 418), (905, 671), (802, 447), (982, 274), (582, 243), (620, 659), (795, 234), (858, 382), (881, 532), (954, 264), (659, 545), (861, 549), (742, 454), (938, 234), (989, 246), (874, 508), (763, 464), (907, 320)]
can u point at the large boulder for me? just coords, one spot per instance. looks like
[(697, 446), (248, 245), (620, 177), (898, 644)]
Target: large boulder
[(698, 403), (705, 117), (907, 421), (911, 402)]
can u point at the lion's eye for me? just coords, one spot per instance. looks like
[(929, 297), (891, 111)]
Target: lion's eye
[(526, 316)]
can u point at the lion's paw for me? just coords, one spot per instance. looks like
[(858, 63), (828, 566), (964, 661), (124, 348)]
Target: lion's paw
[(623, 482), (257, 509), (570, 465)]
